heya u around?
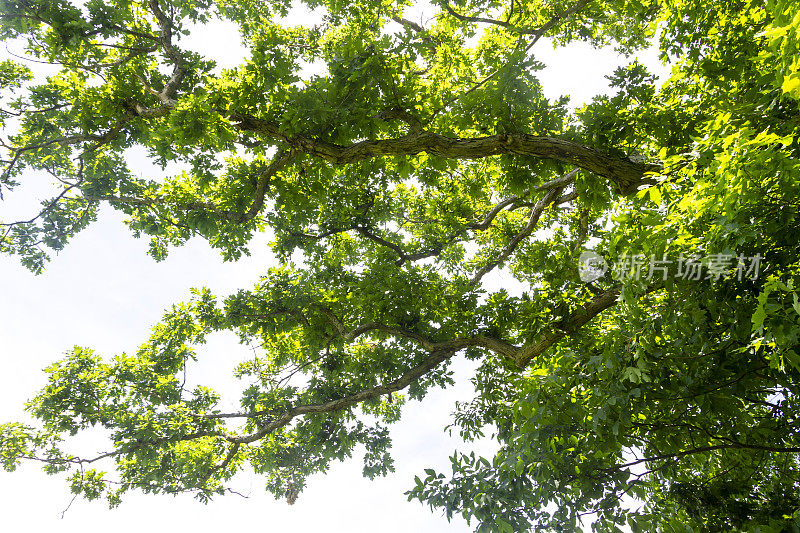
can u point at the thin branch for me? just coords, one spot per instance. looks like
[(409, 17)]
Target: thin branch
[(537, 34), (278, 163), (404, 256), (533, 219), (504, 24), (400, 383), (282, 159), (72, 460), (704, 449), (734, 443), (724, 384), (223, 465)]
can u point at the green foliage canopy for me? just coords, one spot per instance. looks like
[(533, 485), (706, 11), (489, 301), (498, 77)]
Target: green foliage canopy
[(410, 163)]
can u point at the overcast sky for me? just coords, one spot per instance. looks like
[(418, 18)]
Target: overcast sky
[(105, 293)]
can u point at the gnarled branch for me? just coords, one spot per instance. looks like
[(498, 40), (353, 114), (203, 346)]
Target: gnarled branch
[(627, 175)]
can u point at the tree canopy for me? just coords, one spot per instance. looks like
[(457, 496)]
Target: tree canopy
[(398, 163)]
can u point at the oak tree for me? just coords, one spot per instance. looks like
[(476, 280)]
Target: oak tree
[(399, 162)]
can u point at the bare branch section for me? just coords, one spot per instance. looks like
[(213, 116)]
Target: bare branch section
[(408, 24), (627, 175), (167, 95)]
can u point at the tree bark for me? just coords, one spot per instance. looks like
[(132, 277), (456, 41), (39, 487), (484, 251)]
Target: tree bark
[(625, 174)]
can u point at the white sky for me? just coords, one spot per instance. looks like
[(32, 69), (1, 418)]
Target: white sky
[(104, 292)]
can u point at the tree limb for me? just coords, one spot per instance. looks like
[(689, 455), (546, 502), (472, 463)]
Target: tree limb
[(566, 327), (627, 175), (533, 219)]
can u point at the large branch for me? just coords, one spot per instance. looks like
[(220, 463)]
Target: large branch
[(627, 175), (438, 353)]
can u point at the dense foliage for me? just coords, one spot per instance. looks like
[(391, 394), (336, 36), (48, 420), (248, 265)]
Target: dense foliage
[(398, 163)]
